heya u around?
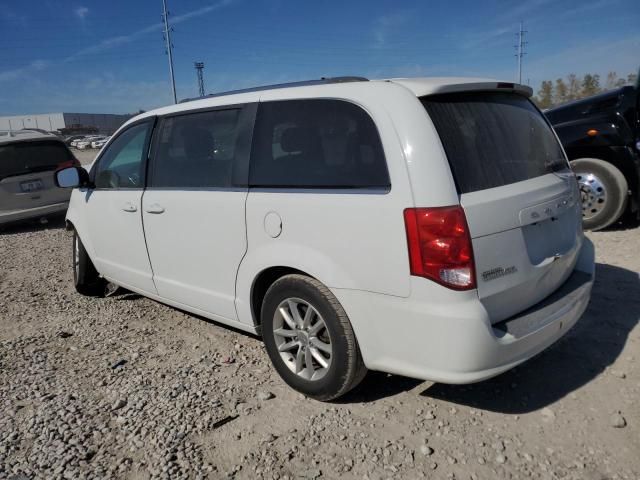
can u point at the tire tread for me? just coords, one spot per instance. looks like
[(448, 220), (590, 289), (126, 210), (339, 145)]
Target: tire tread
[(619, 190), (356, 369), (89, 282)]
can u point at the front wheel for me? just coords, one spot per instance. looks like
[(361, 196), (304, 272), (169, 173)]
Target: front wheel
[(309, 338), (604, 192), (85, 276)]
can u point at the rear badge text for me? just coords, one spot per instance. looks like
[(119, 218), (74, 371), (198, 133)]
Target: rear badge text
[(498, 272)]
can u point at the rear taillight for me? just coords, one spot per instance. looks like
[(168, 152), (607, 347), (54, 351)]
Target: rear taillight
[(440, 246)]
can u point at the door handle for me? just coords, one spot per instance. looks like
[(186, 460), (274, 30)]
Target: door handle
[(129, 207), (154, 208)]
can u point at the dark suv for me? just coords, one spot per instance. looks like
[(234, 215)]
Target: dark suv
[(601, 135)]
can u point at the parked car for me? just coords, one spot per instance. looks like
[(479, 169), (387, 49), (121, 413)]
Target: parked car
[(28, 160), (422, 227), (74, 143), (99, 143), (86, 142), (601, 135), (71, 138)]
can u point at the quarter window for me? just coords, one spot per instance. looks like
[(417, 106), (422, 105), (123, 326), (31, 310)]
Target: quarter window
[(122, 165), (196, 150), (316, 144)]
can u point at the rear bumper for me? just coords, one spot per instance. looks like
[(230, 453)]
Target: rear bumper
[(17, 215), (451, 340)]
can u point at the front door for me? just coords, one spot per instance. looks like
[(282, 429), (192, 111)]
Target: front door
[(114, 210), (193, 208)]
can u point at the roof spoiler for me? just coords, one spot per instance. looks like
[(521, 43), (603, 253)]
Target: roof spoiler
[(525, 90)]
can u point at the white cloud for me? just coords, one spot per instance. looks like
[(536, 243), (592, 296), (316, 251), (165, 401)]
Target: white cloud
[(386, 25), (488, 37), (156, 27), (118, 40), (103, 92), (81, 12), (523, 10), (16, 73)]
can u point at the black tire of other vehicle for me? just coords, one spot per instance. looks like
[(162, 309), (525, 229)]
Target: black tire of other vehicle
[(347, 369), (85, 276), (616, 190)]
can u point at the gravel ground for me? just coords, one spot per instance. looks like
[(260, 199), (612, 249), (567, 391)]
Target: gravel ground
[(124, 387), (86, 156)]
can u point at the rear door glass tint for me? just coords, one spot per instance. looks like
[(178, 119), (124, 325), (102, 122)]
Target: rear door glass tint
[(196, 150), (316, 144), (493, 139)]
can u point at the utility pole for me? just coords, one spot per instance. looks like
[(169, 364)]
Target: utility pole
[(199, 68), (167, 38), (520, 48)]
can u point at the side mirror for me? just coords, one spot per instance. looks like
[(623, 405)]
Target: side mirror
[(72, 177)]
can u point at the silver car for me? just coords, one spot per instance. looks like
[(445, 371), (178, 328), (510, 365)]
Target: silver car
[(28, 160)]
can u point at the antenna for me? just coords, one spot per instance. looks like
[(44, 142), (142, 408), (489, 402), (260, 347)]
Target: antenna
[(167, 37), (520, 49), (199, 68)]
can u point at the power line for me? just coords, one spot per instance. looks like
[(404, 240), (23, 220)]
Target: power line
[(167, 38), (199, 68), (520, 48)]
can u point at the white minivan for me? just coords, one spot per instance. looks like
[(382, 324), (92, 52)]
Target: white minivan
[(422, 227)]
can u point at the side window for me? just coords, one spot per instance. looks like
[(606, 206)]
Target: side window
[(122, 165), (196, 150), (316, 144)]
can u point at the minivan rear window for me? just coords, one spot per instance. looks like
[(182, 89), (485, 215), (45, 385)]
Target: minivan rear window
[(493, 139), (21, 158)]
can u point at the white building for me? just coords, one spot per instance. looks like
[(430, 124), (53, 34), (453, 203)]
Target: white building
[(106, 123)]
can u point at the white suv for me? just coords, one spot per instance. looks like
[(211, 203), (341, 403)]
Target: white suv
[(422, 227)]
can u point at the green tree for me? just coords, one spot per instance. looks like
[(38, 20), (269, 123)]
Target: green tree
[(560, 92), (545, 94), (590, 85)]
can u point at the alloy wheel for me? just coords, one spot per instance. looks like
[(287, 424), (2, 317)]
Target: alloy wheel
[(302, 339)]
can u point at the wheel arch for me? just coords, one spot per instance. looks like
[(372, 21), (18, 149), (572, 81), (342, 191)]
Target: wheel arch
[(73, 221), (261, 283)]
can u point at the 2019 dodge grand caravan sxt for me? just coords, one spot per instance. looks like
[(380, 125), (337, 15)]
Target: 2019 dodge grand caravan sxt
[(424, 227)]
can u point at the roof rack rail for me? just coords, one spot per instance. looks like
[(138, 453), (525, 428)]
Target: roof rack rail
[(305, 83)]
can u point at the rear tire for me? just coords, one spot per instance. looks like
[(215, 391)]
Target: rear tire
[(85, 276), (604, 192), (312, 344)]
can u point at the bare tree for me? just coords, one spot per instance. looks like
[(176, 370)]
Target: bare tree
[(545, 94), (573, 87), (612, 81), (560, 92)]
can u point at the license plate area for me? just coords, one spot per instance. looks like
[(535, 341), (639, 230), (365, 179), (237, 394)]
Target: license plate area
[(31, 186)]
